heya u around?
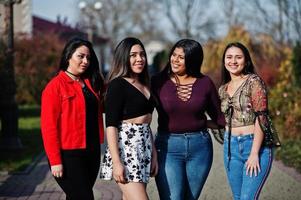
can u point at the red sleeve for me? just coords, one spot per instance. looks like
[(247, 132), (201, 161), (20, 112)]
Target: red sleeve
[(259, 100), (258, 95), (50, 113)]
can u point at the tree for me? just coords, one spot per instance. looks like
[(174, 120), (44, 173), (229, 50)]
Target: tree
[(8, 106), (279, 18), (296, 62), (188, 19), (284, 104), (117, 19), (36, 62), (214, 49)]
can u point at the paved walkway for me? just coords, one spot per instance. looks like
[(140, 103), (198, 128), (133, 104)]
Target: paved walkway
[(283, 184)]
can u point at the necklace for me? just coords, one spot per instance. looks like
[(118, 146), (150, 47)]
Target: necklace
[(73, 76)]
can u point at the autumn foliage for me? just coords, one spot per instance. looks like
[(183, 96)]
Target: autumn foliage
[(277, 64), (265, 53), (36, 61)]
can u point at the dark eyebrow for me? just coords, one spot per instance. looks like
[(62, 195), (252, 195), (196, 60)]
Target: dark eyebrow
[(80, 53), (137, 52)]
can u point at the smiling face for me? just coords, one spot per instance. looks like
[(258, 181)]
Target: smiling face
[(137, 59), (79, 61), (234, 61), (177, 61)]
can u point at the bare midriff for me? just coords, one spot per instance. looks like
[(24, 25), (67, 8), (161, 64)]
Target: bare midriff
[(242, 130), (144, 119)]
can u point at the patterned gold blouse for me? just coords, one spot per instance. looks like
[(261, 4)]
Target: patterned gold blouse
[(250, 97)]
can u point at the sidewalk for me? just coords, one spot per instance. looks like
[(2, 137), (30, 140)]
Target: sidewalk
[(40, 185), (283, 184)]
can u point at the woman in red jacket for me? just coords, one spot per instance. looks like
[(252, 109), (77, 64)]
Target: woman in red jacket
[(71, 120)]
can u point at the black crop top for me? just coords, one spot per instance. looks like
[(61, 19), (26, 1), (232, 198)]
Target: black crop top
[(124, 101)]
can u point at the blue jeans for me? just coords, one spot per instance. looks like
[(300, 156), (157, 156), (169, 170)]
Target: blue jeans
[(184, 164), (245, 187)]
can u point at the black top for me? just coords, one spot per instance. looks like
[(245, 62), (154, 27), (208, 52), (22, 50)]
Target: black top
[(92, 129), (124, 101)]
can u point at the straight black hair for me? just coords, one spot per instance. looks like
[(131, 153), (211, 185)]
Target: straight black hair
[(92, 72), (193, 57)]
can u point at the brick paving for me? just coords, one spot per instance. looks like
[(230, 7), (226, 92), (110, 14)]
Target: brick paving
[(38, 184)]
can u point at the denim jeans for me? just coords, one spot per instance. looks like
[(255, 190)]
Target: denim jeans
[(184, 164), (245, 187)]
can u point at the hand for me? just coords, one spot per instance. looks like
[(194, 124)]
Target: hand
[(57, 170), (154, 164), (118, 173), (252, 165)]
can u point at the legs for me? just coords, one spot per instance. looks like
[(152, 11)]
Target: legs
[(245, 187), (251, 186), (198, 165), (234, 172), (184, 163), (80, 172), (171, 175), (133, 191)]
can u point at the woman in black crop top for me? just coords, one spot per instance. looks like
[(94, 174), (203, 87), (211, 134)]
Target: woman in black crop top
[(130, 157)]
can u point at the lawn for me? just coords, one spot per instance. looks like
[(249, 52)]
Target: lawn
[(29, 133)]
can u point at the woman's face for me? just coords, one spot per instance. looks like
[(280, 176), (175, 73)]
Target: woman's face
[(177, 61), (79, 61), (137, 59), (234, 61)]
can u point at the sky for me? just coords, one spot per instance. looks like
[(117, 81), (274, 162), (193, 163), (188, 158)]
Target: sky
[(50, 9)]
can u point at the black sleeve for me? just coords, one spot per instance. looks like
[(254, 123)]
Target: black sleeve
[(114, 103)]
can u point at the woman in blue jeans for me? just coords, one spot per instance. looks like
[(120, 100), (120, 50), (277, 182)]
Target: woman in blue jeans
[(183, 144), (247, 145)]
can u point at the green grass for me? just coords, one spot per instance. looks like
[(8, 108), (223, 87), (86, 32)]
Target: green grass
[(29, 133), (290, 153)]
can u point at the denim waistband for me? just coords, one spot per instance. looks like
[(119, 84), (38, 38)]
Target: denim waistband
[(239, 137), (182, 133)]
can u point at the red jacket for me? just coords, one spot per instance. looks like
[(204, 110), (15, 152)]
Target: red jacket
[(63, 117)]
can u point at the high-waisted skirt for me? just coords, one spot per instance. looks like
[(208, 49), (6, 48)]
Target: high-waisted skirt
[(135, 150)]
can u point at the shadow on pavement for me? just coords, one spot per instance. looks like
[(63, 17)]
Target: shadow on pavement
[(24, 184)]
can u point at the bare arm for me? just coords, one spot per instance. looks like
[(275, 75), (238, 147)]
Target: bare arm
[(253, 165), (259, 103)]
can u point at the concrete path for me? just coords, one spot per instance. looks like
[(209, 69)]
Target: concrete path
[(283, 184)]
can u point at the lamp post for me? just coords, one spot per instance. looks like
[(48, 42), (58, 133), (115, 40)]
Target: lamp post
[(8, 106), (88, 10)]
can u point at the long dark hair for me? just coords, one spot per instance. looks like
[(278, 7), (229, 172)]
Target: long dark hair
[(121, 61), (92, 72), (193, 57), (248, 69)]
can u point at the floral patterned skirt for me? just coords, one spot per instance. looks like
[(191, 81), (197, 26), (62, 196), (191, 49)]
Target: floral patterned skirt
[(135, 149)]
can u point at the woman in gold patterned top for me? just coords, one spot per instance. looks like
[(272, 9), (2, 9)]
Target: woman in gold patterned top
[(248, 140)]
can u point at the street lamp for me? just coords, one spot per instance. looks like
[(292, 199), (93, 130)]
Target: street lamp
[(88, 10), (8, 106)]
